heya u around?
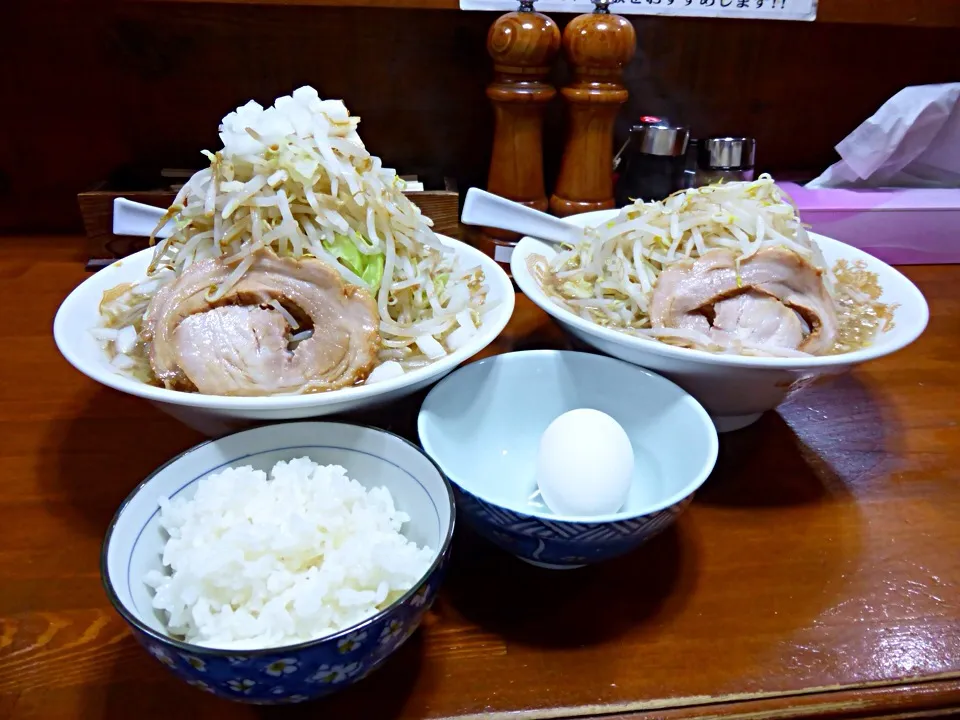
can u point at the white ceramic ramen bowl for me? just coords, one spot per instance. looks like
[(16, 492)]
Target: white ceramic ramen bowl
[(214, 414), (734, 389)]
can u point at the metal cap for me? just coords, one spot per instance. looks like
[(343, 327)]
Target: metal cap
[(668, 140), (601, 7), (726, 153)]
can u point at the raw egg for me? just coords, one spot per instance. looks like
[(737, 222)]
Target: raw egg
[(584, 464)]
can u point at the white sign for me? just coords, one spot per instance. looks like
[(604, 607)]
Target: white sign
[(752, 9)]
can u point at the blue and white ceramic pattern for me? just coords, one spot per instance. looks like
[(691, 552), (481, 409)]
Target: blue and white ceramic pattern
[(482, 426), (311, 669), (559, 544)]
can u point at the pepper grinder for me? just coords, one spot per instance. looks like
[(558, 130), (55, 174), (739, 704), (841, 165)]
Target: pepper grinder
[(523, 45), (598, 45)]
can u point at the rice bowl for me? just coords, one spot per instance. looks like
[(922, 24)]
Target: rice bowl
[(253, 562), (304, 670)]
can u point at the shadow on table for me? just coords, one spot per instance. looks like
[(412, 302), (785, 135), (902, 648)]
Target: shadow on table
[(98, 457), (816, 448), (571, 608), (767, 465), (786, 486)]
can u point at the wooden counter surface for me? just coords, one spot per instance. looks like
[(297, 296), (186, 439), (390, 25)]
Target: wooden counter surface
[(815, 575)]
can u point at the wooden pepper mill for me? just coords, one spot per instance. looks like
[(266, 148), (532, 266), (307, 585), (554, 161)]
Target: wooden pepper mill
[(597, 45), (523, 45)]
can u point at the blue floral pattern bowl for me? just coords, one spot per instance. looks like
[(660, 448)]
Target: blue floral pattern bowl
[(310, 669), (482, 425)]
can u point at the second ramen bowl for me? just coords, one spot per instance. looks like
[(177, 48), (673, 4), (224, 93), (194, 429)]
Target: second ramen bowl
[(735, 389)]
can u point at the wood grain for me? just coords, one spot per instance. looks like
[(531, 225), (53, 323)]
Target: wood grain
[(147, 83), (815, 575), (597, 47), (523, 46), (936, 698)]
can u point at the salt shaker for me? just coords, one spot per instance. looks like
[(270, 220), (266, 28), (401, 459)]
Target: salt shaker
[(652, 163), (725, 158)]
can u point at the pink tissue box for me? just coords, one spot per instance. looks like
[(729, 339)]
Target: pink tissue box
[(901, 226)]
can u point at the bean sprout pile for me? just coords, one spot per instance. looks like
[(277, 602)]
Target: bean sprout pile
[(609, 277), (297, 179)]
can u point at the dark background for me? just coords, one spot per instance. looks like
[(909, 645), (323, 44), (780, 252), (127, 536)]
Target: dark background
[(116, 90)]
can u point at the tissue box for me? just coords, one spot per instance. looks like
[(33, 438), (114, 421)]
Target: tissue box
[(901, 226)]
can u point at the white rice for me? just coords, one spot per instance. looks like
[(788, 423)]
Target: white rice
[(257, 563)]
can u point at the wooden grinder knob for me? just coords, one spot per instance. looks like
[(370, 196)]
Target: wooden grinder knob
[(598, 46), (523, 46)]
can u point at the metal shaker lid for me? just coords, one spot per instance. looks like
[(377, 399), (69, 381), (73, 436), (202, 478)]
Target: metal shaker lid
[(661, 139), (726, 153)]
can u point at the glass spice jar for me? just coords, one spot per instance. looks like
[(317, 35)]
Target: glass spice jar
[(727, 159), (651, 163)]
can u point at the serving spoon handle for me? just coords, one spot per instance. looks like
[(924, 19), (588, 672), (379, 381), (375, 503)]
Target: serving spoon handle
[(489, 210), (138, 219), (479, 208)]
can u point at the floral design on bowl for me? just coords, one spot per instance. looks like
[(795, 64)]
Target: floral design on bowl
[(307, 670)]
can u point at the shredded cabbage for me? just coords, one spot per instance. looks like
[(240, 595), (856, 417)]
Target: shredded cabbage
[(368, 267)]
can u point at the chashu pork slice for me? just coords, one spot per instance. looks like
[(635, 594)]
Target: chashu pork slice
[(693, 295), (758, 319), (239, 345)]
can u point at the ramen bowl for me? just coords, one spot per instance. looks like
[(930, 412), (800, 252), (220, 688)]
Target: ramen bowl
[(216, 414), (735, 389)]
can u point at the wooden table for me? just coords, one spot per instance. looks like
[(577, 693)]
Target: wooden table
[(816, 574)]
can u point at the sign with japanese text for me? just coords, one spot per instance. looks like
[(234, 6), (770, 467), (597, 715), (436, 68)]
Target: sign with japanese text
[(753, 9)]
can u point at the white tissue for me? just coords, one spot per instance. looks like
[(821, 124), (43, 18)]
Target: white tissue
[(913, 140)]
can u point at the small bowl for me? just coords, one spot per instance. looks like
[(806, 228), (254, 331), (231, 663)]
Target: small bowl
[(215, 415), (735, 389), (482, 426), (306, 670)]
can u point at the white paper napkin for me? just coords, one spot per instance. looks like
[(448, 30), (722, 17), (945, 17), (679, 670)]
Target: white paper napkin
[(913, 140)]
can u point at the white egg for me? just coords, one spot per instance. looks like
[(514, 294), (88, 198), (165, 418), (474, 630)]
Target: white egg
[(584, 464)]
